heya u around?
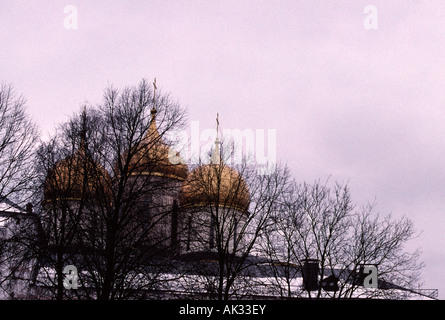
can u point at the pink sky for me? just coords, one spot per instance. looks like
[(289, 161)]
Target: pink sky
[(363, 106)]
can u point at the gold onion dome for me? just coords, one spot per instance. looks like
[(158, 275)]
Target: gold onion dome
[(215, 184), (154, 157), (75, 176)]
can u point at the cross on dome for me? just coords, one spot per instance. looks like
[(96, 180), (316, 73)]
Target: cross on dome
[(216, 155)]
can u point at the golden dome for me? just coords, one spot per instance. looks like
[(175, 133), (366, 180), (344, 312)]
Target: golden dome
[(153, 156), (215, 184), (66, 179)]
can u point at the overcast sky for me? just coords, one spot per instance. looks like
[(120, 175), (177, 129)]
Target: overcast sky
[(363, 106)]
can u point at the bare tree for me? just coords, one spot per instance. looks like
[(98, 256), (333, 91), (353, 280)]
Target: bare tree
[(135, 224), (136, 229), (106, 198), (321, 223), (18, 139), (225, 209), (69, 183)]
